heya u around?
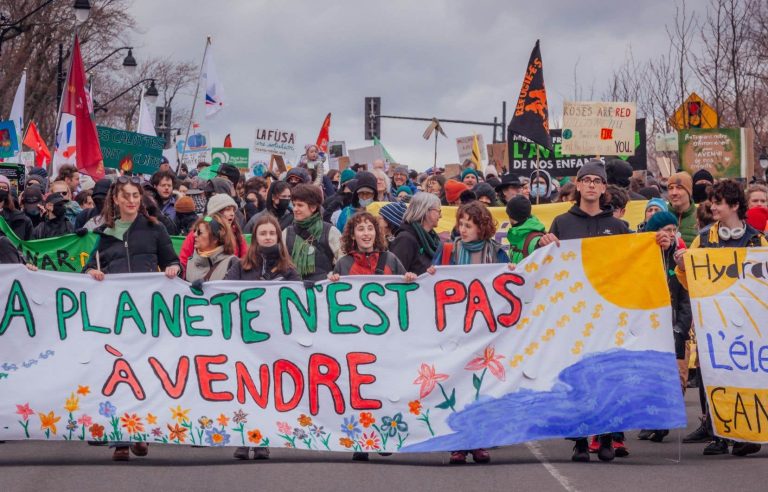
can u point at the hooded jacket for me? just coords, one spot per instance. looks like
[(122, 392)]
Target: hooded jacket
[(687, 221), (285, 219), (58, 226), (577, 224), (547, 198), (19, 222), (364, 180), (517, 235)]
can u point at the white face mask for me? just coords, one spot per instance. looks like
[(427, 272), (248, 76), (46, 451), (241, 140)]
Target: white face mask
[(366, 202)]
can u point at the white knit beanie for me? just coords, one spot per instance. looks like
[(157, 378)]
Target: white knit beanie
[(219, 202)]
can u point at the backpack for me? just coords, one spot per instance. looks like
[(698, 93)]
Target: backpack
[(527, 243)]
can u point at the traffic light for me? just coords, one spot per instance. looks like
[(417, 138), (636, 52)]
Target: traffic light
[(163, 124), (694, 114), (372, 117)]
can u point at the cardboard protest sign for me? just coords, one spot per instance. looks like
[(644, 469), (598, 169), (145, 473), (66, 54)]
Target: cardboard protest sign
[(230, 155), (522, 154), (599, 128), (724, 152), (275, 141), (498, 156), (9, 140), (464, 147), (728, 290), (366, 155), (130, 152), (490, 362)]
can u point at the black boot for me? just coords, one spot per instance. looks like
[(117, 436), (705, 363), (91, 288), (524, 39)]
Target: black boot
[(745, 448), (645, 434), (606, 452), (718, 446), (659, 435), (580, 451), (701, 434)]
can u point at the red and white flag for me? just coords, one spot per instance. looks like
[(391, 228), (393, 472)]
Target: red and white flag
[(323, 136)]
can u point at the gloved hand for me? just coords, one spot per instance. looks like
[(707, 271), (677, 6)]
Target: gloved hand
[(81, 232), (197, 287)]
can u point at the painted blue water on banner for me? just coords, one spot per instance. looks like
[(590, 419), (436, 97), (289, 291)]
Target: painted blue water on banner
[(606, 392)]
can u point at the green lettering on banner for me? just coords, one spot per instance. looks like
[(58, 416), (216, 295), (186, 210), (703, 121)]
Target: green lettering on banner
[(131, 312), (15, 295), (172, 320), (224, 301), (87, 326), (365, 291), (190, 320), (335, 309), (308, 314), (402, 290), (249, 334), (62, 315)]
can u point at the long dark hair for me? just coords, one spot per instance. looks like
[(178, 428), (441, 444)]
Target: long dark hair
[(110, 211), (348, 244), (254, 260)]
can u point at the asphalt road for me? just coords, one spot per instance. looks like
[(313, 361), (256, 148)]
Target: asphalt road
[(540, 466)]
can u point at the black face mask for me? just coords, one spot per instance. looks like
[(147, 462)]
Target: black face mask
[(3, 195), (270, 252), (700, 192), (59, 210), (346, 197), (32, 212), (283, 204)]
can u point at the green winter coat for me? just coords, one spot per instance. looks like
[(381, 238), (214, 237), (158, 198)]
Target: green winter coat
[(517, 235), (687, 223)]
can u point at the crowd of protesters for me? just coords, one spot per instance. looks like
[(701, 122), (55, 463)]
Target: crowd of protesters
[(310, 225)]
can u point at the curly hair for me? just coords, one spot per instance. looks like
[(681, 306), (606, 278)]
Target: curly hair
[(348, 237), (481, 216), (731, 192), (110, 211)]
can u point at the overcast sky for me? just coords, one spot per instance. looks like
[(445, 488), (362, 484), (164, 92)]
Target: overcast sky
[(286, 64)]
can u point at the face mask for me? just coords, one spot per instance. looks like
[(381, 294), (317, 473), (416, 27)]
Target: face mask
[(59, 210), (538, 190), (270, 251), (283, 204), (3, 195), (33, 212), (366, 202), (700, 192)]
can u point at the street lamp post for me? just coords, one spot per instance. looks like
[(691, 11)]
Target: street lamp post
[(151, 95)]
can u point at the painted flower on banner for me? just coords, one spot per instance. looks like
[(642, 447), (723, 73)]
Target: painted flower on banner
[(223, 420), (85, 420), (106, 409), (254, 436), (350, 427), (414, 407), (205, 422), (72, 404), (24, 411), (132, 423), (346, 442), (151, 419), (96, 430), (48, 421), (299, 433), (83, 390), (490, 361), (317, 431), (428, 379), (284, 428), (393, 425), (178, 432), (157, 432), (239, 417), (304, 420), (367, 419), (370, 442), (71, 425), (179, 415), (217, 437)]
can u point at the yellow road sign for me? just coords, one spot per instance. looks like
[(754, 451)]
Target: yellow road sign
[(694, 113)]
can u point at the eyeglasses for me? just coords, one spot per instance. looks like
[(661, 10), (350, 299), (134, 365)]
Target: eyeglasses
[(596, 181), (129, 179)]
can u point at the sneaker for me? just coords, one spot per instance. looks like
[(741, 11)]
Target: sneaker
[(261, 453), (242, 453), (620, 450), (659, 435), (458, 458), (718, 446), (357, 456), (580, 451), (644, 435), (385, 454), (481, 456), (594, 445), (121, 453), (140, 448), (605, 452), (700, 435), (745, 448)]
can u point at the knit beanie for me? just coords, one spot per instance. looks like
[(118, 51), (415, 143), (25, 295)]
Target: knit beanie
[(594, 167), (656, 202), (393, 214), (86, 182), (4, 179), (184, 205), (703, 174), (682, 179), (659, 220), (346, 175), (406, 189), (453, 190), (468, 171), (519, 209), (219, 202)]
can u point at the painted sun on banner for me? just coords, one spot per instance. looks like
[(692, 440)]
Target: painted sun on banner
[(473, 356)]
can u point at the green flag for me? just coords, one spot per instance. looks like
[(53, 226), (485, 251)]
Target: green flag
[(387, 157)]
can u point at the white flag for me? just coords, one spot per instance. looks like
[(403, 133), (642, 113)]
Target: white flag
[(66, 143), (214, 92), (17, 110), (145, 126)]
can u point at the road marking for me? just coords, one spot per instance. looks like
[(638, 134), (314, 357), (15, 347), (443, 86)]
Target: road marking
[(535, 450)]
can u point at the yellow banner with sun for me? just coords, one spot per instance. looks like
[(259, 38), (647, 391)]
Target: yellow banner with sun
[(729, 298)]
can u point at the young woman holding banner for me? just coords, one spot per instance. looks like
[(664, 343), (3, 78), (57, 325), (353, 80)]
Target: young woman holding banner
[(130, 241)]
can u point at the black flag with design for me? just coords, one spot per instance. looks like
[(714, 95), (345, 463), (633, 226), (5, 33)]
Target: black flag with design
[(531, 116)]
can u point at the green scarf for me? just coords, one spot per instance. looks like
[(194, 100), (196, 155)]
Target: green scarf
[(302, 256), (429, 241), (463, 251)]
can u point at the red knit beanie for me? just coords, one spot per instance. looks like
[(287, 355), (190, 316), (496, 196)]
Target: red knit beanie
[(453, 190)]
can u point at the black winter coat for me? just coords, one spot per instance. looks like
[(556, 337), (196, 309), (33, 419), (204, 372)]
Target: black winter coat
[(19, 222), (576, 224), (408, 250), (145, 248), (236, 272), (53, 228)]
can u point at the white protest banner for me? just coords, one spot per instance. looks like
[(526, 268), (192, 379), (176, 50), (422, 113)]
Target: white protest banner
[(576, 341), (464, 147), (729, 288), (198, 149), (275, 141), (366, 155), (599, 128)]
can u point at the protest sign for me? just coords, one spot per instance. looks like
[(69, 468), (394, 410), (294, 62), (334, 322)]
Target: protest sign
[(15, 173), (599, 128), (728, 290), (498, 156), (68, 253), (198, 149), (576, 341), (275, 141), (522, 154), (230, 155), (464, 147), (366, 155), (130, 152), (9, 141), (724, 152)]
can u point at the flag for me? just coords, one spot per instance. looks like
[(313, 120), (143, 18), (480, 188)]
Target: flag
[(228, 141), (387, 157), (17, 110), (323, 136), (34, 141), (531, 117), (77, 140), (214, 91), (145, 125), (477, 156)]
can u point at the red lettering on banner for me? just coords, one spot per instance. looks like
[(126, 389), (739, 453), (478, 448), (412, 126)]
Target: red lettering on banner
[(281, 367), (327, 379), (122, 373), (205, 377), (182, 372), (447, 292), (245, 382), (357, 379), (500, 284)]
